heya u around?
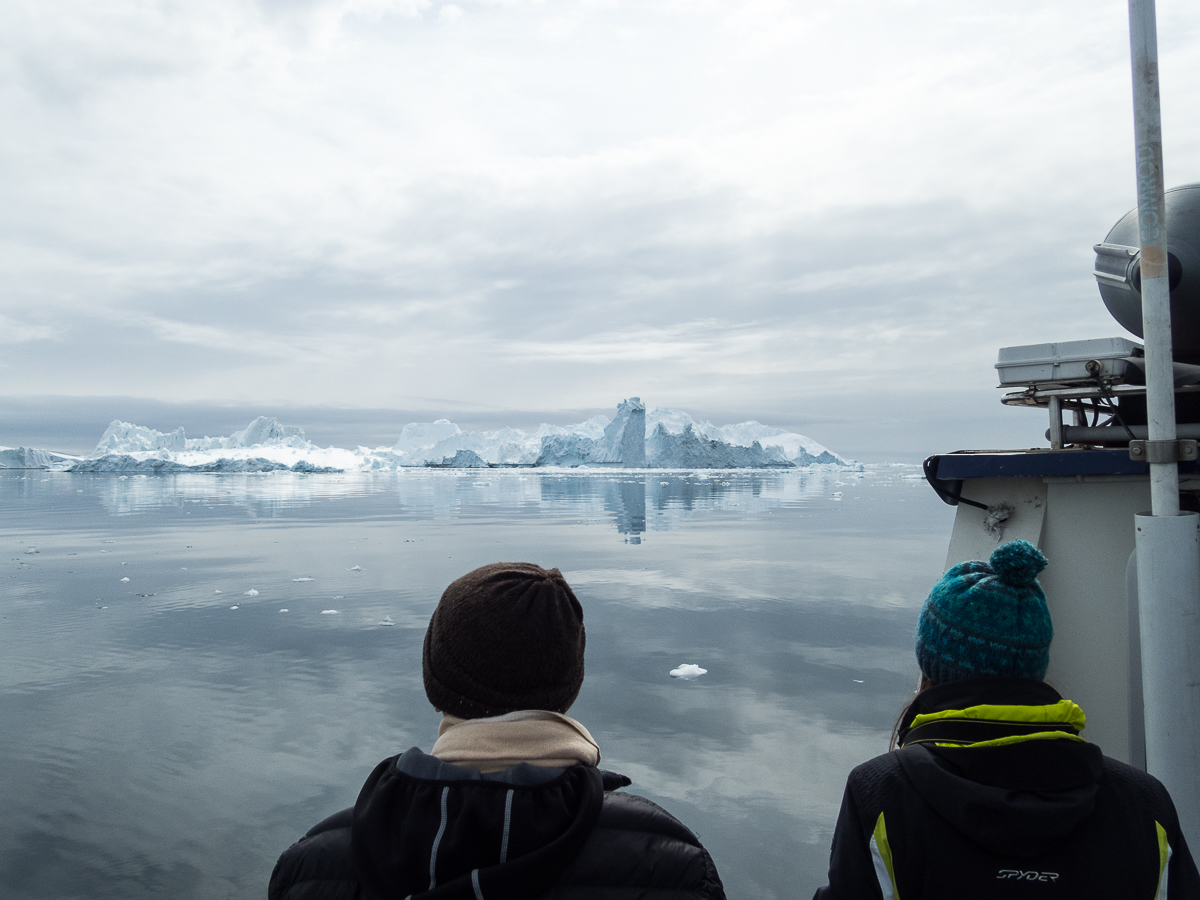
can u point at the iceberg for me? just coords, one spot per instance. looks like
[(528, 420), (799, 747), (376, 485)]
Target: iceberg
[(637, 437), (689, 450), (124, 437), (463, 459), (777, 443), (423, 435), (26, 458), (127, 464), (265, 445), (124, 464), (622, 443), (625, 436)]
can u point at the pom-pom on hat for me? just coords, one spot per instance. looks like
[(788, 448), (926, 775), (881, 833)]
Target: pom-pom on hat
[(987, 618), (504, 637)]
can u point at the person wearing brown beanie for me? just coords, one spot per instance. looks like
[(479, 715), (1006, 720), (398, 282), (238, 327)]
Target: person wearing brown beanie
[(510, 803), (504, 637)]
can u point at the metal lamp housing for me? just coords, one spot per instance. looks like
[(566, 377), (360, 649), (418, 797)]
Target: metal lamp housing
[(1118, 270)]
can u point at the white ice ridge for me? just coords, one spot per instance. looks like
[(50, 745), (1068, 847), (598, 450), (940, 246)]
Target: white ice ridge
[(31, 458), (636, 437), (124, 437)]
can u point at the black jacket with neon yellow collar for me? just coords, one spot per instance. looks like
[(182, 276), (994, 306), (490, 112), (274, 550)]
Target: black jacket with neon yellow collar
[(993, 794)]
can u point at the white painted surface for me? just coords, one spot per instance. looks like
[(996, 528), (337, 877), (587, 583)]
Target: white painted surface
[(1168, 578), (971, 539), (1085, 528)]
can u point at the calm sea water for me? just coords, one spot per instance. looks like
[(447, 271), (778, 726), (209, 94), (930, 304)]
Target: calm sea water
[(170, 734)]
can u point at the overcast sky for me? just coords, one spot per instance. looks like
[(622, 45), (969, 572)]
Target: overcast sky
[(822, 216)]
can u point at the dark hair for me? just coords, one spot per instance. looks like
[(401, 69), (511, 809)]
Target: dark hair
[(909, 712)]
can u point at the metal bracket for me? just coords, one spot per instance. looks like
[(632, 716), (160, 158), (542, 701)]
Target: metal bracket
[(1114, 265), (1163, 451)]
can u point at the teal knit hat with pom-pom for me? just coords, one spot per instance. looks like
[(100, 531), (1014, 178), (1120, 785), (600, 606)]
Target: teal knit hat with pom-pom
[(987, 618)]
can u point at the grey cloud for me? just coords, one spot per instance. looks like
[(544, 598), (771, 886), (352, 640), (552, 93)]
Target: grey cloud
[(347, 204)]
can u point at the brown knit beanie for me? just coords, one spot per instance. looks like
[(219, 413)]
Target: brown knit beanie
[(504, 637)]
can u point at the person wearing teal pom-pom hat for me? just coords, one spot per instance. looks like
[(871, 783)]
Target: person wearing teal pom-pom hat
[(992, 791)]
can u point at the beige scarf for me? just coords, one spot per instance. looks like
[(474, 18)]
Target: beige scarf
[(534, 736)]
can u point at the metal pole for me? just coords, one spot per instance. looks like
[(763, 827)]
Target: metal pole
[(1168, 579), (1168, 544), (1056, 425), (1156, 291)]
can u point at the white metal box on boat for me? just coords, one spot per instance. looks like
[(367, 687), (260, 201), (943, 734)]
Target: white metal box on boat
[(1065, 362)]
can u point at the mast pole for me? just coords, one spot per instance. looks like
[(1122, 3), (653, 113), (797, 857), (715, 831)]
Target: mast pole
[(1168, 544), (1152, 220)]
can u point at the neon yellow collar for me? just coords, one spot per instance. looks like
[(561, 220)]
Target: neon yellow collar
[(1010, 725)]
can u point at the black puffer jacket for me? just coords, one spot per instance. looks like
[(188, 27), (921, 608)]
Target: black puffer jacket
[(994, 795), (435, 831)]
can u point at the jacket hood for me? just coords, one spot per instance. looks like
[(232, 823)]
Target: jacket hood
[(1014, 794), (431, 830)]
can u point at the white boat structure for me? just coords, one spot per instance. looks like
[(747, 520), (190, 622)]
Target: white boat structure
[(1113, 500)]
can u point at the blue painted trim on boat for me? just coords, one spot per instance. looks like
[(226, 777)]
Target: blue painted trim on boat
[(1040, 464)]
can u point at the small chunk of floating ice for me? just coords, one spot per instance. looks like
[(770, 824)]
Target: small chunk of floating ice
[(251, 593), (329, 612), (837, 495), (354, 569), (183, 568), (664, 483), (218, 592), (32, 550), (302, 579), (387, 620), (857, 680), (126, 578), (283, 610), (339, 597), (233, 607), (688, 671)]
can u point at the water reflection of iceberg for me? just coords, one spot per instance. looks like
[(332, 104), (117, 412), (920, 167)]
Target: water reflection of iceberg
[(629, 505), (636, 501), (622, 498), (261, 495), (658, 501)]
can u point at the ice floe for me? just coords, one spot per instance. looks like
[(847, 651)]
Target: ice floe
[(688, 671)]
